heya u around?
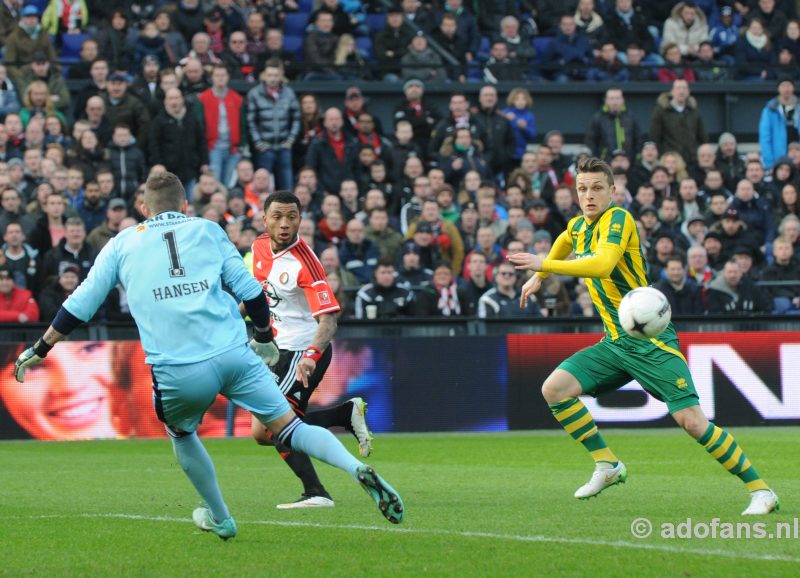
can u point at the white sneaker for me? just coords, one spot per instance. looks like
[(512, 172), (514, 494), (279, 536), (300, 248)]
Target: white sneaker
[(605, 475), (358, 425), (308, 502), (762, 502)]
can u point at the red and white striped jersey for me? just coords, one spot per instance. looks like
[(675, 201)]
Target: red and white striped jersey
[(297, 290)]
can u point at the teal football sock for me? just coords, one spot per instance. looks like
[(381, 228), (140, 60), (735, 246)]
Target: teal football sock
[(197, 464), (321, 444)]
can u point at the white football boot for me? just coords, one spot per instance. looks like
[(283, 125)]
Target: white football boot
[(605, 475), (307, 501), (358, 425), (762, 502)]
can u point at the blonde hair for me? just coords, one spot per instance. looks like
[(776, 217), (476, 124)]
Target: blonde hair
[(680, 165), (783, 241), (341, 49), (515, 92), (26, 98)]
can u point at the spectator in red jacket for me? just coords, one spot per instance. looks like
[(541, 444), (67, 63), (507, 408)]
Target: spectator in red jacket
[(675, 66), (224, 138), (16, 305)]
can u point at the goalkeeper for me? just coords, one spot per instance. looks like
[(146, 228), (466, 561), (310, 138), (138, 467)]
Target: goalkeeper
[(171, 267), (608, 254)]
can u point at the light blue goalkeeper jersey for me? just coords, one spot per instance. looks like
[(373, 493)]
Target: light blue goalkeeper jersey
[(171, 267)]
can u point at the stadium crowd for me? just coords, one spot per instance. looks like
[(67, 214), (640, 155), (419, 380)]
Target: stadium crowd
[(413, 217)]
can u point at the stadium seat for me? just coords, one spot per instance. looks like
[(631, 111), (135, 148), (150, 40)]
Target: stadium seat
[(294, 44), (295, 24), (376, 22), (364, 44), (71, 47), (540, 43), (483, 50), (305, 5), (40, 4)]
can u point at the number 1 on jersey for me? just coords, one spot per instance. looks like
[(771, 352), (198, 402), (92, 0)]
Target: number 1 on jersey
[(175, 269)]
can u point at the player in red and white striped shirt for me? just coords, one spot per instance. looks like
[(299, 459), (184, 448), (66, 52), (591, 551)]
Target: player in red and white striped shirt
[(303, 310)]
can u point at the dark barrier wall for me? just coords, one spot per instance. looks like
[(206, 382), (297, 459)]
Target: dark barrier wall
[(734, 107), (102, 389)]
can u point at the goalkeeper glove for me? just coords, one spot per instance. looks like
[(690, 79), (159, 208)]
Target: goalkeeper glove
[(29, 358), (264, 346)]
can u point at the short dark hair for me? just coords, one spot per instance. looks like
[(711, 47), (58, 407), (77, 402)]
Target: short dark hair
[(594, 165), (660, 169), (286, 197), (385, 261), (18, 223), (164, 192), (676, 257), (273, 63)]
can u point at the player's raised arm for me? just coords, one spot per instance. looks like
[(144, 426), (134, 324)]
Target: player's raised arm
[(561, 249), (599, 265)]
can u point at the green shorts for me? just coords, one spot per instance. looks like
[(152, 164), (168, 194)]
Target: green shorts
[(659, 367)]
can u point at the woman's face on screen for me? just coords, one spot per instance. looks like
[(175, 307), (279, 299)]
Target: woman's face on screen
[(67, 396)]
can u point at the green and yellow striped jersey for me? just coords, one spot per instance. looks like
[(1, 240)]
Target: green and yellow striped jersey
[(614, 227)]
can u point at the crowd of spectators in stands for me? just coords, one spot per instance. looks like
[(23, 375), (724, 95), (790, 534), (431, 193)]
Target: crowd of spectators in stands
[(413, 215)]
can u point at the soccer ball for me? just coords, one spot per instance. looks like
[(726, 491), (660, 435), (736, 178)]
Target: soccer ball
[(644, 313)]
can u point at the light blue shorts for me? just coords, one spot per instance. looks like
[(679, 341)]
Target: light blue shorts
[(183, 393)]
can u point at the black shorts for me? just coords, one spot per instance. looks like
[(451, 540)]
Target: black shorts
[(294, 391)]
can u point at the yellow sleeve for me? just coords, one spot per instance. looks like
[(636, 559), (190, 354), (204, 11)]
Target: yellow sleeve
[(598, 265), (560, 250)]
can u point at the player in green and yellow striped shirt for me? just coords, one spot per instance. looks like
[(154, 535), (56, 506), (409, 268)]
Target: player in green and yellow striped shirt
[(608, 254)]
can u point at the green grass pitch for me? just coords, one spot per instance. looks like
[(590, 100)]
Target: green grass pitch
[(476, 505)]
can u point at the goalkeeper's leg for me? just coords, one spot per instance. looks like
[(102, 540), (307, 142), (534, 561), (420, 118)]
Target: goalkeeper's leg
[(253, 388), (321, 444), (300, 464)]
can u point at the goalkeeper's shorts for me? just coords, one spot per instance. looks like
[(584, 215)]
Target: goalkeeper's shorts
[(183, 393)]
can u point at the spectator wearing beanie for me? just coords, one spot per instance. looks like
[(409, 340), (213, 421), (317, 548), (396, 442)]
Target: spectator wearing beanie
[(25, 40)]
